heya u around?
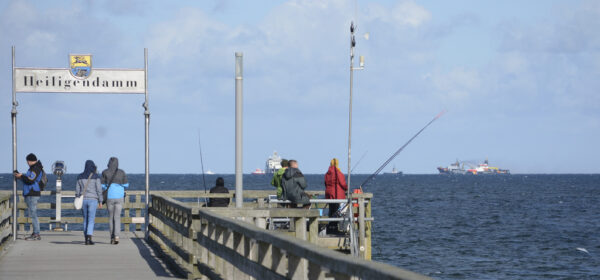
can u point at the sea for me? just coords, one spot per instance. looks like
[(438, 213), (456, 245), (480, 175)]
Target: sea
[(457, 227)]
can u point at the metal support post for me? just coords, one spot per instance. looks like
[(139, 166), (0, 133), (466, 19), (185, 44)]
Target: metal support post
[(239, 196), (361, 227), (13, 114), (147, 144), (58, 215), (353, 247)]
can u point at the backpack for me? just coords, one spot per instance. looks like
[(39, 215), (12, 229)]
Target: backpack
[(43, 181)]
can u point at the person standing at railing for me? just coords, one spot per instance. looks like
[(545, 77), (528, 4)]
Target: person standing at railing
[(114, 182), (32, 191), (276, 181), (88, 185), (294, 184), (219, 188), (335, 188)]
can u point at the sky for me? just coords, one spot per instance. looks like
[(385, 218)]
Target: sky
[(519, 81)]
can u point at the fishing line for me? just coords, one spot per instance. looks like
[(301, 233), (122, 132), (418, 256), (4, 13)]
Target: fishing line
[(399, 150), (202, 166), (355, 165)]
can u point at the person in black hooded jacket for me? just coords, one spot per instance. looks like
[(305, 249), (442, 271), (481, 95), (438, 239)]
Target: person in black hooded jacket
[(293, 184), (219, 188)]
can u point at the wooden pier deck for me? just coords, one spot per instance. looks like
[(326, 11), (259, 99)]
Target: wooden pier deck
[(191, 242), (63, 255)]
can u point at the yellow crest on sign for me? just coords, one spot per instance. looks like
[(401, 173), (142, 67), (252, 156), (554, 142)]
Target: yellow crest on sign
[(80, 65)]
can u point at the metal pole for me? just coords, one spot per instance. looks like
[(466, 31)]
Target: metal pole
[(350, 214), (239, 196), (13, 114), (147, 142), (350, 106)]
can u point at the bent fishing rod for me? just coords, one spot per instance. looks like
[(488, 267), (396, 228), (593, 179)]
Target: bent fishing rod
[(399, 150), (202, 166)]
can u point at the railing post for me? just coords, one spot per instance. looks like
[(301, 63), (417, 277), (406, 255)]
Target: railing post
[(138, 211), (126, 210), (361, 226)]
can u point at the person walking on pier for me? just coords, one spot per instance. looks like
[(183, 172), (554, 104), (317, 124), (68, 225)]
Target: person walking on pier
[(219, 188), (32, 191), (293, 184), (114, 182), (335, 188), (88, 185), (276, 181)]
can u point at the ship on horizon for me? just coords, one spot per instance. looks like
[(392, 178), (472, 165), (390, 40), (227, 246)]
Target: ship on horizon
[(458, 168), (394, 172), (273, 163)]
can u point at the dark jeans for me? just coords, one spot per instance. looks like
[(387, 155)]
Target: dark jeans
[(32, 211)]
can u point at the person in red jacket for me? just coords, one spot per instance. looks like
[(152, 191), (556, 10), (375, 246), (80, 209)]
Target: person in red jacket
[(335, 188)]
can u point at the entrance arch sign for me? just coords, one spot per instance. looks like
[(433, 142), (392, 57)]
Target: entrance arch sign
[(61, 80), (80, 77)]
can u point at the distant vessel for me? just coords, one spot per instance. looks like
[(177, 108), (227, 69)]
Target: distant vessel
[(273, 163), (210, 172), (482, 168), (394, 172), (454, 168), (258, 171)]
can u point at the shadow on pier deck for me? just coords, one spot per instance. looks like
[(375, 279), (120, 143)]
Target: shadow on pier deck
[(62, 255)]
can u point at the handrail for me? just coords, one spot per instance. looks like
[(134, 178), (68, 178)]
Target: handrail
[(224, 247), (5, 219), (134, 212)]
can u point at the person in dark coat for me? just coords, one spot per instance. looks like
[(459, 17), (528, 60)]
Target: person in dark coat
[(219, 188), (293, 184)]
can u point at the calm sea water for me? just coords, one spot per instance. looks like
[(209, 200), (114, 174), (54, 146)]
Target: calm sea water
[(462, 227)]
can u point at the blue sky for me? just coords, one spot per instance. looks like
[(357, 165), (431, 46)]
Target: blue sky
[(519, 81)]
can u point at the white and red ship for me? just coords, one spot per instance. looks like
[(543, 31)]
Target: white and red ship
[(482, 168)]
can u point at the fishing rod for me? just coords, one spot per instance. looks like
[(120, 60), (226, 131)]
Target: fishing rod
[(361, 158), (400, 150), (202, 166)]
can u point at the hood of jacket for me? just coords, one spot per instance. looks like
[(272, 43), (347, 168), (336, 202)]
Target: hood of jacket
[(90, 168), (113, 172), (113, 164), (36, 166), (292, 172)]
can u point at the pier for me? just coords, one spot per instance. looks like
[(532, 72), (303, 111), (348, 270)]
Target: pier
[(185, 240)]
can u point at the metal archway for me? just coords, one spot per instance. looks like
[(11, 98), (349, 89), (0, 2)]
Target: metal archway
[(80, 78)]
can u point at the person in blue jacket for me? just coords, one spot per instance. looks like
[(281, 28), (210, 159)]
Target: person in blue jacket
[(31, 192), (114, 180)]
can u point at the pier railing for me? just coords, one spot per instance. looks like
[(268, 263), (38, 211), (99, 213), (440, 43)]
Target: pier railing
[(134, 205), (205, 243), (5, 219)]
